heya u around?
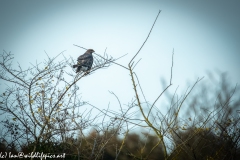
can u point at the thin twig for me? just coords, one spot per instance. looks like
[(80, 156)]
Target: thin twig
[(140, 87), (136, 63), (170, 83), (171, 67), (146, 38)]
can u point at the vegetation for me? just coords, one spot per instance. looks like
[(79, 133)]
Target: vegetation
[(40, 114)]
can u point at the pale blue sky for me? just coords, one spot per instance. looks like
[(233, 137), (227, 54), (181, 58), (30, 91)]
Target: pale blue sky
[(204, 34)]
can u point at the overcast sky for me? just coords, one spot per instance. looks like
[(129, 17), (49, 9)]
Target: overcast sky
[(205, 36)]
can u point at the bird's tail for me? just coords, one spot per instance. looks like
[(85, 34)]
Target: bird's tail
[(75, 65)]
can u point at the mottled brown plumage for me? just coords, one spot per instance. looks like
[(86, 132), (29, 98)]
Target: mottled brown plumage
[(85, 61)]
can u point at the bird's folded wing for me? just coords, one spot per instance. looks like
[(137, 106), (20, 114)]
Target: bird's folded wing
[(85, 60), (84, 56)]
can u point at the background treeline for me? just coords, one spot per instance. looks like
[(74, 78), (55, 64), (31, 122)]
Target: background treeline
[(198, 144)]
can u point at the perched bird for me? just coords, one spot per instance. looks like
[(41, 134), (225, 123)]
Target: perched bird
[(85, 61)]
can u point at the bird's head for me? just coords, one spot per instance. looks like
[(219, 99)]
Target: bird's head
[(90, 51)]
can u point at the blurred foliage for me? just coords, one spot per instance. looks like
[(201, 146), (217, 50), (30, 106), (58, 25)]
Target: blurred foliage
[(207, 128), (211, 121), (198, 143)]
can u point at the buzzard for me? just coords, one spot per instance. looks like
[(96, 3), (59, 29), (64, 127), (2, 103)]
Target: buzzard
[(85, 61)]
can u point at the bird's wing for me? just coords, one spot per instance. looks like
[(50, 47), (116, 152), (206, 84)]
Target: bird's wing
[(86, 60), (84, 56)]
